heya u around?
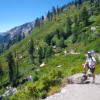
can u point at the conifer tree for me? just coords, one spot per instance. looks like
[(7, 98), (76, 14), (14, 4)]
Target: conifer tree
[(75, 3), (12, 68), (69, 23), (48, 15), (31, 48), (85, 16), (58, 10), (1, 72), (40, 53), (54, 12), (48, 52)]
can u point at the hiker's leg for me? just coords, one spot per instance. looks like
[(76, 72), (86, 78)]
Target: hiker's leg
[(84, 66), (93, 75)]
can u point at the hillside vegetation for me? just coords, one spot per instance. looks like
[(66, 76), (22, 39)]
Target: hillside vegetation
[(69, 31)]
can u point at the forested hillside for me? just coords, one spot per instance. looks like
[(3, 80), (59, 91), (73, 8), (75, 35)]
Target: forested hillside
[(54, 50)]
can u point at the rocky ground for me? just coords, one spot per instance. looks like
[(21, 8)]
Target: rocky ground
[(79, 91)]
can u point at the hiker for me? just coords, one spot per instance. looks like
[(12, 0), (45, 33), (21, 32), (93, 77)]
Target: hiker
[(90, 63)]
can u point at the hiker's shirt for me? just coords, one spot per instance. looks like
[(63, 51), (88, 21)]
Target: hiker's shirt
[(90, 60)]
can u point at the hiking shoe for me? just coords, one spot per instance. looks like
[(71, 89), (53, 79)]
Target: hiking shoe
[(93, 82), (83, 72)]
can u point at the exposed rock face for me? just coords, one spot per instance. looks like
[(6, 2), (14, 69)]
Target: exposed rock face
[(25, 28), (79, 78)]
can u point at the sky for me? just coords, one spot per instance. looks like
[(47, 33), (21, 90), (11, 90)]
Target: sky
[(17, 12)]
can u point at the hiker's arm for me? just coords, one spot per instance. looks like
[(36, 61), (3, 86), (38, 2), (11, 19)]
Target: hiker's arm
[(94, 64)]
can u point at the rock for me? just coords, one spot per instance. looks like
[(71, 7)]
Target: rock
[(38, 70), (57, 54), (8, 88), (59, 66), (89, 74), (79, 78), (24, 80), (29, 78), (93, 28), (6, 93), (42, 64), (54, 47), (14, 90), (65, 51), (25, 88), (20, 58)]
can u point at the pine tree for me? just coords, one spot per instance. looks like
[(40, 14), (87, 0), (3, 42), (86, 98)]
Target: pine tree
[(61, 43), (58, 33), (12, 68), (37, 23), (69, 23), (48, 15), (85, 16), (31, 48), (58, 10), (80, 2), (54, 12), (48, 52), (48, 38), (42, 18), (75, 3), (51, 15), (40, 53), (1, 72)]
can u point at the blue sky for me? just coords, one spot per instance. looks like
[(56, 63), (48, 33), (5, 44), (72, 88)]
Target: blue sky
[(17, 12)]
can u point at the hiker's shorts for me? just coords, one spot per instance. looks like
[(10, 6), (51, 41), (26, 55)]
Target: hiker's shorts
[(91, 69)]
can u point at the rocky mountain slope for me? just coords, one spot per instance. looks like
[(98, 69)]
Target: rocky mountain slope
[(25, 28)]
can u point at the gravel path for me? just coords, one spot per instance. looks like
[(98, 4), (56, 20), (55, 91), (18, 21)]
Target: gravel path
[(79, 91)]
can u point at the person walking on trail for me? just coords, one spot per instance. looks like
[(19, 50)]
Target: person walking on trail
[(90, 63)]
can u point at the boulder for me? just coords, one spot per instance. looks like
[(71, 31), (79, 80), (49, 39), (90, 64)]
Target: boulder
[(29, 78), (20, 58), (89, 74), (14, 90), (59, 66), (24, 80), (79, 78), (42, 64), (65, 51), (93, 28)]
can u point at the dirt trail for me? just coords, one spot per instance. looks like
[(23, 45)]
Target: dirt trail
[(79, 91)]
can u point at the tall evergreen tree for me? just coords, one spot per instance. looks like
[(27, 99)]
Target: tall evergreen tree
[(31, 48), (80, 2), (85, 16), (51, 15), (48, 38), (58, 10), (12, 68), (40, 53), (54, 12), (61, 43), (69, 23), (1, 72), (75, 3), (42, 18), (37, 23), (48, 52), (48, 15)]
